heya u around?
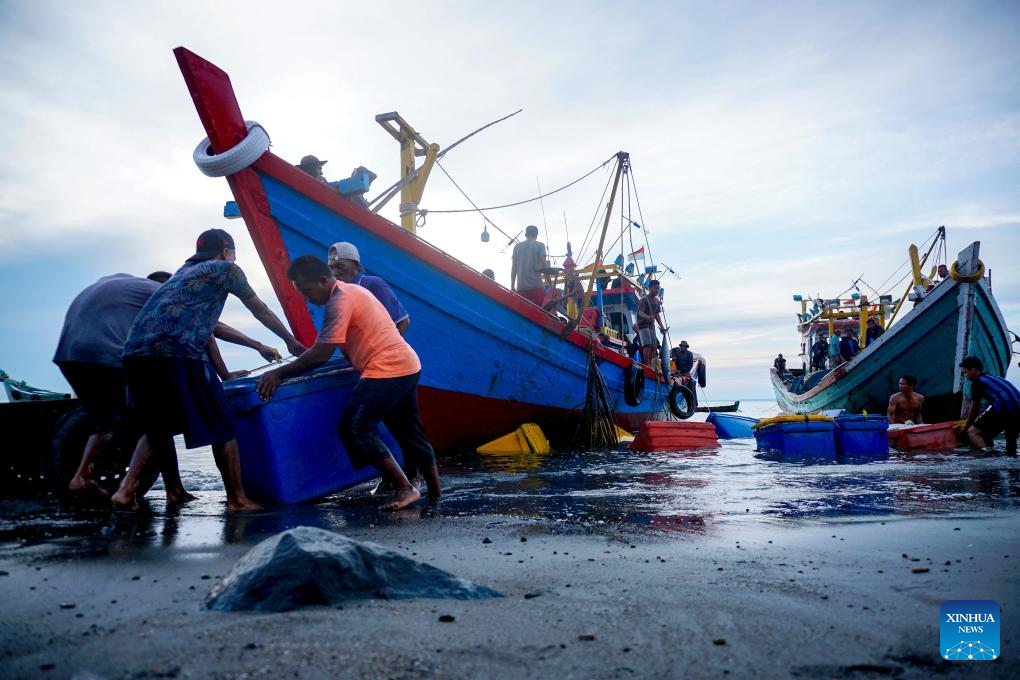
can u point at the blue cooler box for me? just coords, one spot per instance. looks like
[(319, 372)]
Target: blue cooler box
[(801, 440), (290, 451), (862, 437)]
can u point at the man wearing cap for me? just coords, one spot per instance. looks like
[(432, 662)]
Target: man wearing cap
[(387, 392), (528, 259), (683, 358), (170, 386), (313, 167), (345, 263), (89, 355)]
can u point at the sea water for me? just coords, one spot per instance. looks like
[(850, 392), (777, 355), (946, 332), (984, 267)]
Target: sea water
[(689, 491)]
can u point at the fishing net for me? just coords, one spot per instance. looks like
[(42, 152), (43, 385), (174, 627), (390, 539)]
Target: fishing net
[(598, 422)]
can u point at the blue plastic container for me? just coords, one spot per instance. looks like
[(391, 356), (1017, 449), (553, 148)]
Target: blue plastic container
[(860, 437), (290, 451), (801, 440), (729, 426)]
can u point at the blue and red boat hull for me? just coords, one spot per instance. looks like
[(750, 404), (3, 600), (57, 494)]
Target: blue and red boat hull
[(491, 360)]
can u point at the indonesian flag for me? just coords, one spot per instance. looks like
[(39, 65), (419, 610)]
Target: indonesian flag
[(638, 254)]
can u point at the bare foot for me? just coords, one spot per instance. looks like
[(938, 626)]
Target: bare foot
[(79, 483), (402, 498), (244, 505), (384, 486), (178, 497), (122, 500)]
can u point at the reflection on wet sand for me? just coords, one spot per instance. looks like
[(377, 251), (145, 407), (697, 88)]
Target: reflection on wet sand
[(592, 492)]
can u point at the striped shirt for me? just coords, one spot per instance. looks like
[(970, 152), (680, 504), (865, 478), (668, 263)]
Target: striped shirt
[(1002, 395)]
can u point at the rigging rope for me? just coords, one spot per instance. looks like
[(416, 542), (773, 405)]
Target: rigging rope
[(881, 286), (479, 210), (641, 216), (536, 198), (598, 211)]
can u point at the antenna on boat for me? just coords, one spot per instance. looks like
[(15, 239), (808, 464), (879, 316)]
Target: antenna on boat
[(566, 230), (541, 202)]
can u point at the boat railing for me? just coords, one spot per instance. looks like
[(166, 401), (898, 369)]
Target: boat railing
[(855, 311), (608, 277)]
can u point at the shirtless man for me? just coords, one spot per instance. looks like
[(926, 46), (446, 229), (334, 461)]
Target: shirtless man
[(905, 405)]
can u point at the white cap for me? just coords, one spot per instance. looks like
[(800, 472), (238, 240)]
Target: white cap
[(344, 251)]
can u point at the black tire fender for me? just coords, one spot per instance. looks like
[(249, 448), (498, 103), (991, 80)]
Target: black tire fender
[(682, 401), (634, 384)]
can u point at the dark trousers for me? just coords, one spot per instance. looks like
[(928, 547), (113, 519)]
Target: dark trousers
[(102, 390), (393, 402)]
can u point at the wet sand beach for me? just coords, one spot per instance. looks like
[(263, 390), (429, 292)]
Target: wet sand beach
[(612, 565)]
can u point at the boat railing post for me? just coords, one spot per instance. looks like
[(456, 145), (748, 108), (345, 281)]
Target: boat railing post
[(863, 323)]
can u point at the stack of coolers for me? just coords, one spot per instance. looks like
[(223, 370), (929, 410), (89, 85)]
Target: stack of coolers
[(842, 438)]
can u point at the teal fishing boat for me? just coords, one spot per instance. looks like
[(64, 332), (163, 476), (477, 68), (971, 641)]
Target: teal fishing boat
[(951, 317)]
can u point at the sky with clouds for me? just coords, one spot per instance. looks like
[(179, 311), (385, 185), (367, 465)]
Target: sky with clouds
[(777, 148)]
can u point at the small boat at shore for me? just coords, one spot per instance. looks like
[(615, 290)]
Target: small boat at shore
[(491, 359), (732, 426), (950, 319), (720, 408)]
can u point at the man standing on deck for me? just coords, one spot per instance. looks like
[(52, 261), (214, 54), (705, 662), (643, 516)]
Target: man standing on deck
[(171, 388), (649, 313), (528, 259), (905, 406), (1002, 413), (818, 353), (848, 346), (835, 358), (345, 263), (874, 331), (89, 351), (780, 365), (357, 323)]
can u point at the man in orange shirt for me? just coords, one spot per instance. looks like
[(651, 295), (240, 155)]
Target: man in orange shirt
[(358, 323)]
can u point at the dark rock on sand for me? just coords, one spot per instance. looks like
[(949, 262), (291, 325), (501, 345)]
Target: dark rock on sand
[(306, 566)]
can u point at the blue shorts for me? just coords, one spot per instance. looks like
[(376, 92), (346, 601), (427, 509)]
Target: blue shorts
[(172, 396)]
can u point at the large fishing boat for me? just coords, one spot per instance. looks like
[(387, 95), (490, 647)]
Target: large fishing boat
[(491, 359), (951, 317)]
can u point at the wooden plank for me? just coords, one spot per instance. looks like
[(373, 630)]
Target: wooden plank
[(967, 260)]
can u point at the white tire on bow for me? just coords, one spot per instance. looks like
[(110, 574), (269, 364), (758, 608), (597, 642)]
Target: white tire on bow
[(244, 153)]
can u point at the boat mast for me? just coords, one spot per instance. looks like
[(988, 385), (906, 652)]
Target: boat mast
[(622, 160), (412, 179)]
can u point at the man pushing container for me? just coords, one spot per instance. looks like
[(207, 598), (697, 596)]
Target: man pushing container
[(357, 323)]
